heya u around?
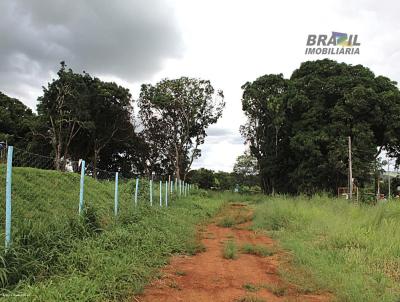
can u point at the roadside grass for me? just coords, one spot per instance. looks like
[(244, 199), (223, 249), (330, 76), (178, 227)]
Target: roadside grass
[(250, 298), (232, 218), (256, 249), (57, 255), (336, 246), (230, 250)]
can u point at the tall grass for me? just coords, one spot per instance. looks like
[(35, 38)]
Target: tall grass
[(350, 250), (57, 255)]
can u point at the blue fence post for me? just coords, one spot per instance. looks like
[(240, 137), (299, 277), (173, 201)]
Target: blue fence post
[(136, 190), (169, 182), (83, 163), (8, 195), (160, 193), (166, 193), (116, 195)]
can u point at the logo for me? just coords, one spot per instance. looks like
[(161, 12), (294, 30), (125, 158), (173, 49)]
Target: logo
[(335, 44)]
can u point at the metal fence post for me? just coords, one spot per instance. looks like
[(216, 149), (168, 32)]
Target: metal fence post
[(82, 184), (136, 190), (166, 193), (151, 192), (160, 193), (8, 195), (116, 195)]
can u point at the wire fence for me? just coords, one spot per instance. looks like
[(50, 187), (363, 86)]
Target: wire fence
[(37, 196)]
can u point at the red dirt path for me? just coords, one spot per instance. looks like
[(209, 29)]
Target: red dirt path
[(208, 277)]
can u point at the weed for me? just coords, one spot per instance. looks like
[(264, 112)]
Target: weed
[(230, 250), (226, 222), (250, 299), (276, 289), (256, 249), (250, 287), (174, 285)]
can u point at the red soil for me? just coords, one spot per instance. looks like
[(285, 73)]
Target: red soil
[(208, 277)]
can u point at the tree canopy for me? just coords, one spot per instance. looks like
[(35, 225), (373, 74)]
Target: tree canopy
[(297, 128), (175, 115)]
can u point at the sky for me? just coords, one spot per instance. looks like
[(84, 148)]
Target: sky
[(228, 42)]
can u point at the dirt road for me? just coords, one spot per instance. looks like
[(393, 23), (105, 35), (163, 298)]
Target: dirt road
[(208, 276)]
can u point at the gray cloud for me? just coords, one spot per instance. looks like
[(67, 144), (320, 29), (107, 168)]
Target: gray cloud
[(218, 135), (128, 39)]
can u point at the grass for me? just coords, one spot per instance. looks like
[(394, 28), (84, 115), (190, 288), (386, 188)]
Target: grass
[(250, 287), (276, 289), (256, 249), (230, 250), (232, 218), (57, 255), (249, 298), (350, 250)]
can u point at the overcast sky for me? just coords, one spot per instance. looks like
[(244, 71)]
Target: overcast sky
[(229, 42)]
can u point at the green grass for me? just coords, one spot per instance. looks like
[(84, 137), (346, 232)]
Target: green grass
[(58, 256), (226, 222), (250, 287), (352, 251), (230, 250), (256, 249), (231, 219)]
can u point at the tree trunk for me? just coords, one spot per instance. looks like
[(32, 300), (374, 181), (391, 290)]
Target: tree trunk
[(58, 157), (177, 168), (96, 156)]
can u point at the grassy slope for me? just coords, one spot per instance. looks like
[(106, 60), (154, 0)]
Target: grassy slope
[(350, 250), (58, 256)]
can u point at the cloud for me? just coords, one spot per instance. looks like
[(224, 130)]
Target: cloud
[(127, 39)]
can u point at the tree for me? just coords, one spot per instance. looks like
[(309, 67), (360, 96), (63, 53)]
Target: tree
[(84, 117), (322, 104), (63, 108), (175, 115), (246, 169), (264, 108), (15, 122), (203, 177), (110, 113)]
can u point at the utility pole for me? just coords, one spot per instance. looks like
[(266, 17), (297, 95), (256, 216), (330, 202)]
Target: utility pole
[(350, 172)]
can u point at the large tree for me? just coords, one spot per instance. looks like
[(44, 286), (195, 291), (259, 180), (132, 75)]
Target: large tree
[(15, 122), (84, 117), (263, 106), (322, 104), (63, 108), (175, 115)]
